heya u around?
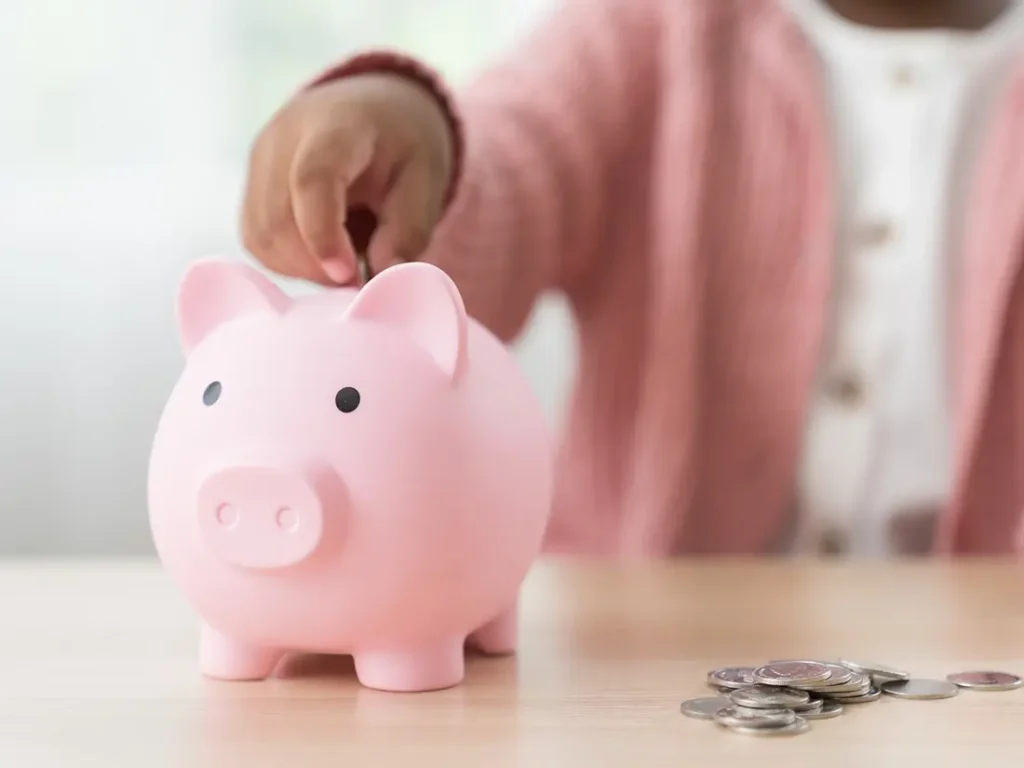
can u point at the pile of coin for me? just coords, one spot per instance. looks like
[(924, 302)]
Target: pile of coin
[(781, 697)]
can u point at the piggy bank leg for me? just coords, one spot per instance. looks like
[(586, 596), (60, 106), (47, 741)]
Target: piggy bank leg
[(223, 658), (498, 636), (424, 669)]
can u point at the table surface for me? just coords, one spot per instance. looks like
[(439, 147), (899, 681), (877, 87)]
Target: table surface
[(101, 670)]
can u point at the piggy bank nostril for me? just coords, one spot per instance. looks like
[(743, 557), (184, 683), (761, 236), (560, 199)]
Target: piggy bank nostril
[(287, 519), (227, 516)]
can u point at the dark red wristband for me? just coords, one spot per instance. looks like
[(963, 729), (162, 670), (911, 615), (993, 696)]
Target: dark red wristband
[(406, 66)]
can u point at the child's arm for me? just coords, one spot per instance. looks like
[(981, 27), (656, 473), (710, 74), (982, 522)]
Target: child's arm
[(540, 144)]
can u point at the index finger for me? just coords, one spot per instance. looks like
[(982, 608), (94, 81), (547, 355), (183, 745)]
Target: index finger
[(325, 166)]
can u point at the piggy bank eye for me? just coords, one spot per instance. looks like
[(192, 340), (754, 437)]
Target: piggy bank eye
[(347, 399), (212, 393)]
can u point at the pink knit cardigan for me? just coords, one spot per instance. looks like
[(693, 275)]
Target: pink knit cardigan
[(667, 166)]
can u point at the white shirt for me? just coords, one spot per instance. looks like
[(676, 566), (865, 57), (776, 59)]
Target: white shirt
[(907, 110)]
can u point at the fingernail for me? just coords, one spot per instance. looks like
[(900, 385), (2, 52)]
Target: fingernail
[(337, 269)]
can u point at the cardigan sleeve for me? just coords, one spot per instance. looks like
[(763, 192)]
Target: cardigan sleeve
[(539, 140)]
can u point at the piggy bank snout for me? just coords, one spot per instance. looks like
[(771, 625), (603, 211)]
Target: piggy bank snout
[(264, 517)]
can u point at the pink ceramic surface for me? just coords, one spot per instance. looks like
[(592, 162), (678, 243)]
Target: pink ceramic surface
[(348, 472)]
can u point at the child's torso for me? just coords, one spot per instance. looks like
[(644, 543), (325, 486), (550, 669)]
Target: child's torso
[(771, 278)]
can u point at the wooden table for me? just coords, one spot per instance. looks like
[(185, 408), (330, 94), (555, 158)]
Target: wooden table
[(100, 670)]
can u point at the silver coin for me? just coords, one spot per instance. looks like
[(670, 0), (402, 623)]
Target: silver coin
[(876, 671), (918, 688), (872, 695), (731, 677), (840, 675), (853, 696), (756, 712), (848, 696), (704, 708), (813, 705), (792, 673), (742, 717), (767, 697), (829, 709), (986, 681), (793, 729), (858, 683)]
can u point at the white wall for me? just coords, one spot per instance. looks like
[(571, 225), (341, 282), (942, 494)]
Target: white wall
[(124, 129)]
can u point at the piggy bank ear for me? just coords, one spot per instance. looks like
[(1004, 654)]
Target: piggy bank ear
[(213, 291), (420, 301)]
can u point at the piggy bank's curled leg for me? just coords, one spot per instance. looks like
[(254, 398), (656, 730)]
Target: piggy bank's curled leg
[(226, 659), (432, 668), (499, 635)]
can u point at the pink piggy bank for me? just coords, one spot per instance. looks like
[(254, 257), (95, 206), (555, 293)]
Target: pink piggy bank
[(355, 472)]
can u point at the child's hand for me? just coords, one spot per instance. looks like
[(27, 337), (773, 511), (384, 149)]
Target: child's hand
[(371, 140)]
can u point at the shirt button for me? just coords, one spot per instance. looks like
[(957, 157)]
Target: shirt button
[(903, 75), (832, 543), (911, 531), (847, 389), (874, 234)]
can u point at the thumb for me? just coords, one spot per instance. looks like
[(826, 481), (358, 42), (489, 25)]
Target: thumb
[(407, 217)]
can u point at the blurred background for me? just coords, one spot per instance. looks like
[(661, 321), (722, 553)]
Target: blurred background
[(124, 132)]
